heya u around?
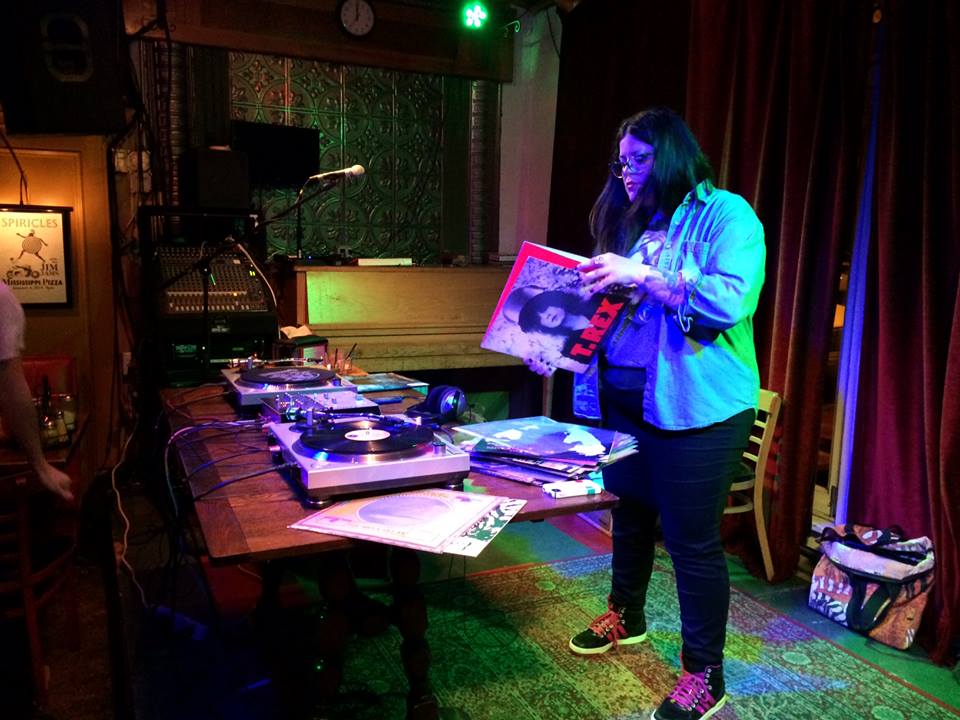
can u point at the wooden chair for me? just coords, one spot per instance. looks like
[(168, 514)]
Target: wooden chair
[(33, 570), (746, 492)]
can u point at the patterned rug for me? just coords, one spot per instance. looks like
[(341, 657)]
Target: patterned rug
[(499, 643)]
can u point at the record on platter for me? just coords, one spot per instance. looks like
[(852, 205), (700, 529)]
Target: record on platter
[(294, 376), (366, 436)]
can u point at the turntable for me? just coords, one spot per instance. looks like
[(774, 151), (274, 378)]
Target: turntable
[(353, 454), (295, 407), (259, 381)]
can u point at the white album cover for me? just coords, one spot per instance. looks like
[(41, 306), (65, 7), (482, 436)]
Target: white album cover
[(431, 519)]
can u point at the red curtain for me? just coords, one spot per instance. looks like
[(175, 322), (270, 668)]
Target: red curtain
[(779, 96), (906, 453), (777, 93)]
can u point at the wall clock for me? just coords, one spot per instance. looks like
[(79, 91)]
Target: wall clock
[(356, 17)]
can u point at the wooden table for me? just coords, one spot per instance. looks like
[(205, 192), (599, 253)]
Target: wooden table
[(248, 520)]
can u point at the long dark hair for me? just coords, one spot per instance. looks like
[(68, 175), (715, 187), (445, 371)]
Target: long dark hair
[(569, 302), (678, 165)]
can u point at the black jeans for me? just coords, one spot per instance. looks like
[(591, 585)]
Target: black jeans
[(684, 477)]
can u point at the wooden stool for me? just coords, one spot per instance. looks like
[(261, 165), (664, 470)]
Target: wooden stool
[(33, 571)]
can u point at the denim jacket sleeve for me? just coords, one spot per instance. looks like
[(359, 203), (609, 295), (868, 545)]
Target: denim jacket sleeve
[(722, 265)]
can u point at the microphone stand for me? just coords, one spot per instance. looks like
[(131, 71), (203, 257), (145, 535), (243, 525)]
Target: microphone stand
[(297, 204), (300, 226), (202, 265)]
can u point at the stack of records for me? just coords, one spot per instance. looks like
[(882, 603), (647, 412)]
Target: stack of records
[(539, 450)]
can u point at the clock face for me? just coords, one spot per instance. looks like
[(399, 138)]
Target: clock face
[(356, 17)]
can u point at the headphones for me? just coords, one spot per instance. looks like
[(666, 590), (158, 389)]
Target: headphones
[(443, 404)]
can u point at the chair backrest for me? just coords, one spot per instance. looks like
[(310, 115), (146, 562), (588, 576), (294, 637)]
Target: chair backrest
[(60, 372), (21, 563), (746, 490), (762, 434), (33, 568), (15, 565)]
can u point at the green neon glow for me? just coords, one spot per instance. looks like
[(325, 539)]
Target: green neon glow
[(474, 15)]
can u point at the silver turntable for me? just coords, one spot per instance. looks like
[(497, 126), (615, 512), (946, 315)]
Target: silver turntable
[(263, 381), (353, 454)]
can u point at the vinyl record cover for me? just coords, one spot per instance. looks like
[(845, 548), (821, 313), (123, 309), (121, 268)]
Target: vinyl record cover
[(432, 519), (376, 382), (545, 312), (511, 469), (542, 438)]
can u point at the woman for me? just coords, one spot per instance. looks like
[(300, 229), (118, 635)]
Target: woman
[(679, 372)]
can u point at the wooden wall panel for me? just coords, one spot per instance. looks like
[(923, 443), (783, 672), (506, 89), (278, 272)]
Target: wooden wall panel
[(71, 171), (403, 318), (410, 37)]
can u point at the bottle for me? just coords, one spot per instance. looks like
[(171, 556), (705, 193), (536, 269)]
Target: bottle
[(63, 436), (68, 404), (46, 397), (48, 432)]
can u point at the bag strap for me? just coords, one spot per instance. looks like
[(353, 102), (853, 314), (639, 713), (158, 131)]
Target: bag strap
[(849, 536), (907, 557), (864, 617)]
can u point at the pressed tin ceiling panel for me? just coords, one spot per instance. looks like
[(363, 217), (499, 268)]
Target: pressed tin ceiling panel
[(388, 121)]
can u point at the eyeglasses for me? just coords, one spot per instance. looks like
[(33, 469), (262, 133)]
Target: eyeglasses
[(631, 165)]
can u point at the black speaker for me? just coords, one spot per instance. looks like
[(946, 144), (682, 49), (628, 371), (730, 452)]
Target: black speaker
[(64, 62), (443, 404)]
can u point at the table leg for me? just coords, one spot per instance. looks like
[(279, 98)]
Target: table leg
[(410, 616), (269, 601), (337, 585)]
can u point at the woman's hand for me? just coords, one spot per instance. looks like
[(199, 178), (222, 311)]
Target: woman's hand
[(540, 365), (609, 269), (669, 289), (601, 272)]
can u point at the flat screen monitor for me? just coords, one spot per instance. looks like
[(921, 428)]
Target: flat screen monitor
[(279, 155)]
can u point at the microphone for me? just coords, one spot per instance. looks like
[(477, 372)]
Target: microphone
[(334, 175)]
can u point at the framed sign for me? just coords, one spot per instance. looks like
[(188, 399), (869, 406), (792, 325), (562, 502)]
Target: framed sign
[(35, 254)]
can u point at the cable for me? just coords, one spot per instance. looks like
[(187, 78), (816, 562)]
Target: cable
[(248, 450), (251, 573), (179, 401), (238, 425), (230, 481), (24, 192), (126, 521), (172, 440), (178, 408), (263, 277)]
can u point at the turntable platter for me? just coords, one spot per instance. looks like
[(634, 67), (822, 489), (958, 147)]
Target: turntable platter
[(295, 376), (367, 436)]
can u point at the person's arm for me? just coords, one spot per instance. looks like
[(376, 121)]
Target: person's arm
[(20, 419), (719, 295)]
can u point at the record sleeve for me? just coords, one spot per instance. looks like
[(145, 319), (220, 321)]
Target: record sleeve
[(544, 311), (526, 474), (377, 382), (543, 438), (432, 519)]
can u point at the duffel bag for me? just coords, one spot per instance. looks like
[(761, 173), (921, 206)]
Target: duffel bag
[(874, 581)]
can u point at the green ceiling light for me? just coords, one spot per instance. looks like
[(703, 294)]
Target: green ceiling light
[(475, 15)]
